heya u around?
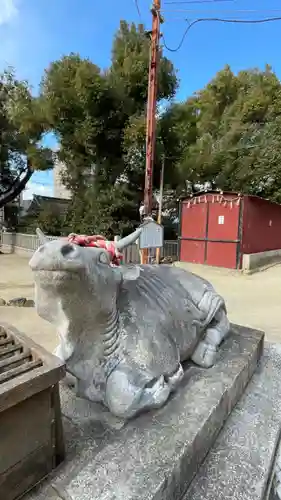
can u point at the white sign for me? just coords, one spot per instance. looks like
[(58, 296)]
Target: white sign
[(221, 219), (152, 235)]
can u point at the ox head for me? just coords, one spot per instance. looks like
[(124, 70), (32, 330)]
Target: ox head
[(64, 270)]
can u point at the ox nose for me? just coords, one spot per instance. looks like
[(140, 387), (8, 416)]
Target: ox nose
[(67, 249)]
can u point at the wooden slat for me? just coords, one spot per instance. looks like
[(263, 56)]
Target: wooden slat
[(21, 382), (11, 360), (48, 359), (2, 330), (10, 350), (19, 370), (7, 340), (25, 360)]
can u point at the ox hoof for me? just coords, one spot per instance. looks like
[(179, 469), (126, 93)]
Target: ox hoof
[(156, 395), (126, 400), (174, 380), (204, 355)]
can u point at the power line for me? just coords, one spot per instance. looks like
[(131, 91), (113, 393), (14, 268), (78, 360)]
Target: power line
[(173, 2), (227, 11), (138, 9), (40, 183), (215, 19)]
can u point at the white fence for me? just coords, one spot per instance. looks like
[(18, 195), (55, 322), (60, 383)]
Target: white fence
[(21, 243)]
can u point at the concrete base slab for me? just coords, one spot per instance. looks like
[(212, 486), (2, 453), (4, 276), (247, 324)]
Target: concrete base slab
[(240, 465), (255, 261), (156, 456)]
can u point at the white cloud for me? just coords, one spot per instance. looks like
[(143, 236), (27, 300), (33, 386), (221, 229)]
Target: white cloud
[(36, 188), (8, 11)]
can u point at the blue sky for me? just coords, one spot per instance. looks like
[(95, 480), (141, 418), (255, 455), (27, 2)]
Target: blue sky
[(35, 32)]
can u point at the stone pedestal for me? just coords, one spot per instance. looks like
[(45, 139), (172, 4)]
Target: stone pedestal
[(245, 462), (158, 455)]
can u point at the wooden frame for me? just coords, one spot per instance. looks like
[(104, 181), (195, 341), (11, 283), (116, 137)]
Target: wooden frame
[(31, 434)]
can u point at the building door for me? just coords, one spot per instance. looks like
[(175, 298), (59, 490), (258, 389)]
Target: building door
[(194, 219), (210, 231)]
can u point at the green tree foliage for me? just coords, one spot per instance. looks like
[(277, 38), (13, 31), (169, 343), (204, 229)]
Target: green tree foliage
[(98, 117), (237, 140), (106, 213), (22, 126), (228, 133), (129, 68)]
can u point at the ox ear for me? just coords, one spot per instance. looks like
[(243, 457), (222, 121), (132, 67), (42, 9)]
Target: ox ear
[(104, 258), (130, 273)]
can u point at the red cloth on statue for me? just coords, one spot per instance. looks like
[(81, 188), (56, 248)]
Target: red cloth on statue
[(97, 241)]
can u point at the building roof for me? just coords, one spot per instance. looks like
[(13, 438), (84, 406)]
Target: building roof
[(40, 202), (253, 197)]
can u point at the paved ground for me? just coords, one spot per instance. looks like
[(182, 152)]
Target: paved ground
[(252, 300), (16, 281)]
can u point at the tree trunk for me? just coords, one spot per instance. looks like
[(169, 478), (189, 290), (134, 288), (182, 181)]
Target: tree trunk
[(15, 188)]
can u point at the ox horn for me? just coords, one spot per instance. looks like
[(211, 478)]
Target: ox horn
[(128, 240), (41, 236)]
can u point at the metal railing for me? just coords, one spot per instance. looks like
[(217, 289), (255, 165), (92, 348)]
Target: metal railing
[(30, 243)]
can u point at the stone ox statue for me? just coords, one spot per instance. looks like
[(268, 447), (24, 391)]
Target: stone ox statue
[(125, 330)]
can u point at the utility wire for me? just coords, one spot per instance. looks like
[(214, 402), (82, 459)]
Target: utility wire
[(226, 11), (215, 19), (174, 2), (40, 183), (138, 9)]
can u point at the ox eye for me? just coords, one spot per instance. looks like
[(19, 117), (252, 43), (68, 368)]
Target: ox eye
[(103, 258)]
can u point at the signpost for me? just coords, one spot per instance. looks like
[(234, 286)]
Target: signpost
[(152, 235)]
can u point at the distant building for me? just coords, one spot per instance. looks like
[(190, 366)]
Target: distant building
[(60, 191), (223, 229), (47, 209), (39, 203)]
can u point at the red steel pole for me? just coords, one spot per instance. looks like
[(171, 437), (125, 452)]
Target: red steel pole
[(151, 113), (151, 107)]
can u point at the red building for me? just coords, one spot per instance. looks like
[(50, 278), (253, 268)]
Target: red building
[(218, 228)]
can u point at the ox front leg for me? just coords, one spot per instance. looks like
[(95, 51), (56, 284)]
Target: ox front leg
[(69, 380), (127, 394), (206, 351)]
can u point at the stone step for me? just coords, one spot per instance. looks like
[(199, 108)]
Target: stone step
[(156, 456), (241, 463)]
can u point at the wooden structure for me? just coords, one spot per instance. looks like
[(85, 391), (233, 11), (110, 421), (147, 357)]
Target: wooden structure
[(219, 228), (31, 435)]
